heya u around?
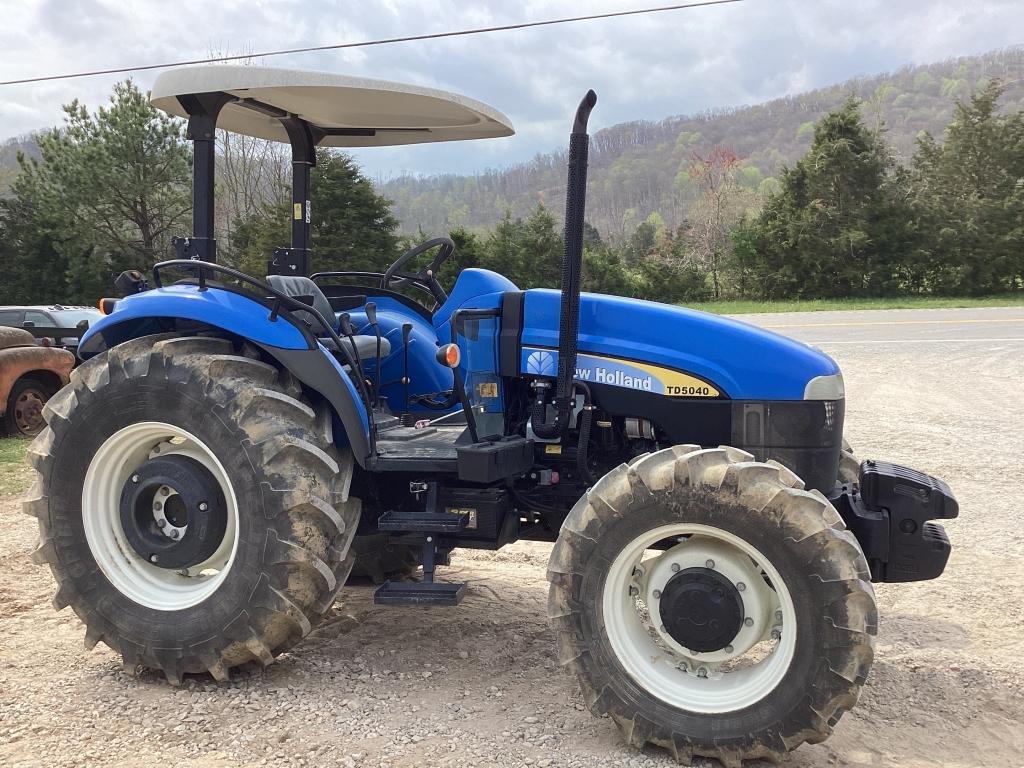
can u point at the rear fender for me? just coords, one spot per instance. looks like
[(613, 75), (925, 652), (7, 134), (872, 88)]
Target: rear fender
[(186, 308)]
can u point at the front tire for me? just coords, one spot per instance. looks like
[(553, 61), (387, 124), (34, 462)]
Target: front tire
[(773, 632), (239, 576), (849, 467)]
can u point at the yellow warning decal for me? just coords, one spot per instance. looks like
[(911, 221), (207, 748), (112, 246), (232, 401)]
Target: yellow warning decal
[(554, 449), (642, 376), (297, 211)]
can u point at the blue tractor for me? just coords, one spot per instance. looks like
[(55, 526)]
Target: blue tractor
[(233, 446)]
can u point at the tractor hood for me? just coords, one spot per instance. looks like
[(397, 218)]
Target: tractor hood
[(628, 342)]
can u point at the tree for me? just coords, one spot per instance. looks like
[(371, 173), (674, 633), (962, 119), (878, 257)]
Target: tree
[(968, 199), (109, 190), (721, 203), (540, 251), (351, 226), (838, 226)]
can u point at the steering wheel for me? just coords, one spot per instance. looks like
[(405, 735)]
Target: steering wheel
[(426, 276)]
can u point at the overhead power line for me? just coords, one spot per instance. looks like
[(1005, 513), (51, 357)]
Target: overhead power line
[(367, 43)]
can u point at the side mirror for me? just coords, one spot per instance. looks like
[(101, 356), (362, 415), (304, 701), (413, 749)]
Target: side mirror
[(83, 326), (28, 324)]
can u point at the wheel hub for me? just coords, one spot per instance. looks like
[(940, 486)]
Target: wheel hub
[(173, 512), (28, 412), (701, 610)]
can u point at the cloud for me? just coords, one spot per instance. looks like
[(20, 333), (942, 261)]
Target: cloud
[(643, 67)]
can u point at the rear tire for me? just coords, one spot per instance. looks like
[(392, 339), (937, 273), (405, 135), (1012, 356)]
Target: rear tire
[(283, 554), (711, 703)]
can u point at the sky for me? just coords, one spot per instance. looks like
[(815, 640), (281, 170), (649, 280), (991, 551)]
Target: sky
[(642, 67)]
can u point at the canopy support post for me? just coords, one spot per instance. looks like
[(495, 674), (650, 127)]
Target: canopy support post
[(202, 109), (304, 138)]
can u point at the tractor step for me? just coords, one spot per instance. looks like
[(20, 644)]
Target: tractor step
[(422, 521), (419, 593)]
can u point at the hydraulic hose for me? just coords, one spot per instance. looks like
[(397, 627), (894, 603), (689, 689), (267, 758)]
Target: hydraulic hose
[(584, 445)]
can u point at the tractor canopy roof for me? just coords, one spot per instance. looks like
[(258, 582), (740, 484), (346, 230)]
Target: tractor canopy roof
[(342, 111)]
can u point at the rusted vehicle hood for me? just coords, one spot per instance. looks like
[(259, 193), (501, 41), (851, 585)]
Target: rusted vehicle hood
[(19, 355)]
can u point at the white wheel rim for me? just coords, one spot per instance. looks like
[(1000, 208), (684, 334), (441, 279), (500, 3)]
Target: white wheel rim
[(130, 573), (699, 682)]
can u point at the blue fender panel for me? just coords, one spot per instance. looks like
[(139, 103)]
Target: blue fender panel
[(139, 315), (743, 361), (224, 309)]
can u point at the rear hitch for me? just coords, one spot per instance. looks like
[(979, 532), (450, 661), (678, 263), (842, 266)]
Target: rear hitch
[(890, 517)]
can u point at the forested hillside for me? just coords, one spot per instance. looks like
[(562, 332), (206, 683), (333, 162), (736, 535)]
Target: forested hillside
[(644, 167), (9, 150)]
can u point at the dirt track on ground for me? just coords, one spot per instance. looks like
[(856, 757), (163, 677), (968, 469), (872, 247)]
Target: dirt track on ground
[(478, 684)]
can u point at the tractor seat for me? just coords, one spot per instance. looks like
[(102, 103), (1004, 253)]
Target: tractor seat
[(305, 289)]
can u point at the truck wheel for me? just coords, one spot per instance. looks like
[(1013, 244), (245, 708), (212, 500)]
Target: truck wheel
[(24, 415), (192, 507), (849, 466), (711, 606), (378, 559)]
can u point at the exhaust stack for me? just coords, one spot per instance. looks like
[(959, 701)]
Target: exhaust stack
[(572, 273)]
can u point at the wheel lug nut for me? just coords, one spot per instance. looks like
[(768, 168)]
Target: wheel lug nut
[(776, 634), (675, 567), (728, 649), (662, 628), (203, 506), (163, 491), (657, 594), (748, 621), (633, 591), (702, 672), (709, 564), (161, 523), (174, 534), (778, 615), (157, 505), (135, 478), (154, 558)]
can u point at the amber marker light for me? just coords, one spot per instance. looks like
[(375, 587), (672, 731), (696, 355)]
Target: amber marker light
[(449, 355)]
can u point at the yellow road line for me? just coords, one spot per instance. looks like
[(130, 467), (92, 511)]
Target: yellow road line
[(897, 322)]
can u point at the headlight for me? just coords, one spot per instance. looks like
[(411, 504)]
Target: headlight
[(825, 388)]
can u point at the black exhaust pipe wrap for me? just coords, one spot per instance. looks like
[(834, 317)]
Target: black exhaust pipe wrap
[(572, 273)]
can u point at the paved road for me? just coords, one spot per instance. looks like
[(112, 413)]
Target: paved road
[(898, 326)]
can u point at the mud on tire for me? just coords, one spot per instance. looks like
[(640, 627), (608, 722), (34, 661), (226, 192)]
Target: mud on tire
[(295, 519), (799, 532), (849, 466)]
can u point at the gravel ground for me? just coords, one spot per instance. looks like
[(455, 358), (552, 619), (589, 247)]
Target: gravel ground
[(478, 684)]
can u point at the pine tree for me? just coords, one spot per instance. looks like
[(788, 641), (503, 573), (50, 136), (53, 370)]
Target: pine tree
[(109, 191), (838, 225), (968, 195), (351, 227)]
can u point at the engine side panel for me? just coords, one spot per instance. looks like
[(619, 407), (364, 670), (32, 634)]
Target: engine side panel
[(741, 361)]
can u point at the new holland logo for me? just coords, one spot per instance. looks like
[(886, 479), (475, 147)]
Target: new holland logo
[(541, 363), (616, 372)]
